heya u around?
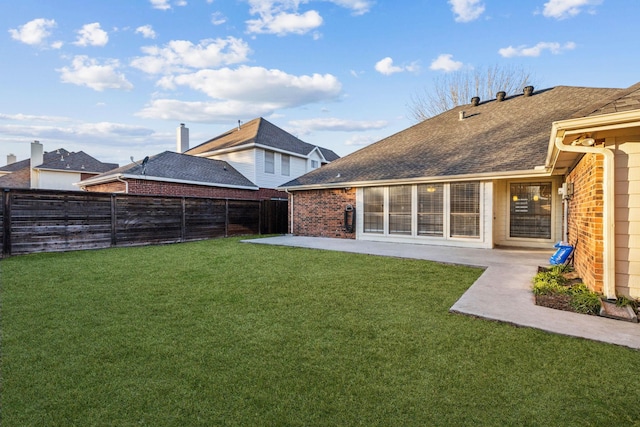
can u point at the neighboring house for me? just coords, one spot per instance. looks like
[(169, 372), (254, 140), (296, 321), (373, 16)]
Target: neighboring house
[(267, 155), (175, 174), (497, 173), (55, 170)]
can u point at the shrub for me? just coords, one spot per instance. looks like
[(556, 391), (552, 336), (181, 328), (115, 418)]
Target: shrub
[(584, 300)]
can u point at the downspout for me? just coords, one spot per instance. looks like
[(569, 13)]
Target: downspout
[(286, 190), (126, 183), (608, 212)]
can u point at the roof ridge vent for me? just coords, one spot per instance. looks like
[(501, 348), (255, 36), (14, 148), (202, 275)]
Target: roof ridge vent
[(528, 90), (475, 101), (500, 96)]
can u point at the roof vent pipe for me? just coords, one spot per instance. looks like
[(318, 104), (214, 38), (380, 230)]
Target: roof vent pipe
[(500, 96), (239, 123), (461, 115), (528, 90), (475, 101)]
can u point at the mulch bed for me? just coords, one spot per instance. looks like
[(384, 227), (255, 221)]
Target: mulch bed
[(559, 302)]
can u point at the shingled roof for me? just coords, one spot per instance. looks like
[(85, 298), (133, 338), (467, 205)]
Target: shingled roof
[(176, 167), (60, 159), (495, 138), (260, 132)]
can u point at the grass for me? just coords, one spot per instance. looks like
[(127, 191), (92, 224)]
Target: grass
[(222, 333)]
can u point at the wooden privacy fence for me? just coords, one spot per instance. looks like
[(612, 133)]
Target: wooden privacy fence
[(51, 221)]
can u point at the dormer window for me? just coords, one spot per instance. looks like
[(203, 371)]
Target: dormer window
[(314, 164)]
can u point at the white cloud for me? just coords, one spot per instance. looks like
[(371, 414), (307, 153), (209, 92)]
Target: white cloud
[(385, 66), (535, 51), (204, 112), (466, 10), (85, 71), (146, 31), (160, 4), (217, 18), (341, 125), (183, 55), (260, 85), (34, 32), (561, 9), (445, 63), (361, 140), (359, 7), (92, 35), (284, 23), (31, 118)]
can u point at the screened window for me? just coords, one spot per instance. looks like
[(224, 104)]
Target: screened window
[(400, 209), (269, 162), (430, 210), (285, 162), (373, 210), (465, 209), (530, 210)]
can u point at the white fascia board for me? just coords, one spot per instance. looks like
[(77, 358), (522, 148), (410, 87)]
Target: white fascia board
[(278, 150), (316, 148), (224, 150), (590, 124), (542, 172)]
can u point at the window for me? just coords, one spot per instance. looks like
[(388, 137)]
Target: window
[(530, 210), (285, 162), (373, 210), (314, 164), (269, 162), (400, 209), (430, 210), (465, 209)]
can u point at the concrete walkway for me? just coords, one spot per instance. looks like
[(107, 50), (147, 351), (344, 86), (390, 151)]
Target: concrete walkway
[(502, 293)]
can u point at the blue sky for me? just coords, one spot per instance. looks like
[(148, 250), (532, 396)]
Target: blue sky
[(115, 78)]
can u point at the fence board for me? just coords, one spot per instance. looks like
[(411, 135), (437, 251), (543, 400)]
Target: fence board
[(47, 220)]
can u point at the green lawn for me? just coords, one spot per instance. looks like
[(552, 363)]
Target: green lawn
[(223, 333)]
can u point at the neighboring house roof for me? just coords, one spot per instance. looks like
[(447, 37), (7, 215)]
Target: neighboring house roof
[(175, 167), (496, 138), (74, 161), (260, 132), (18, 179), (19, 173)]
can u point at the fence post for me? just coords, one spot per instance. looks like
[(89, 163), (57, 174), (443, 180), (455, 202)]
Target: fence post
[(183, 224), (226, 217), (6, 222), (114, 221)]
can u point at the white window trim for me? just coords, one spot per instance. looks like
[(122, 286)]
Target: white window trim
[(481, 241), (507, 231)]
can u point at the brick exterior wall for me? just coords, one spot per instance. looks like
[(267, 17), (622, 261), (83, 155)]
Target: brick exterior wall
[(159, 188), (320, 213), (585, 219)]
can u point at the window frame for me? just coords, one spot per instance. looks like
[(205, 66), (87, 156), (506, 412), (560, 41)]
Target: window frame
[(285, 164), (269, 162)]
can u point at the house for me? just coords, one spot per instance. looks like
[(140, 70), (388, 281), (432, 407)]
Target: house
[(55, 170), (267, 155), (247, 162), (520, 171), (176, 174)]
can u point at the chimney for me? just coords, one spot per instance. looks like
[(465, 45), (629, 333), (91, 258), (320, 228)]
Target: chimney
[(182, 144), (528, 90), (37, 158), (475, 101), (500, 96), (11, 158)]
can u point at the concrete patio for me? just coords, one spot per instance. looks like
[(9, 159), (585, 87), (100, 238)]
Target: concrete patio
[(502, 293)]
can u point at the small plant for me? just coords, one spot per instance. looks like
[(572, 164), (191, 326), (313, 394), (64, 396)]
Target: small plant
[(549, 282), (584, 300)]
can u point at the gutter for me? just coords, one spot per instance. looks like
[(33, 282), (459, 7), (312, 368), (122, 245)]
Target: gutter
[(120, 176), (126, 183), (533, 173), (608, 209)]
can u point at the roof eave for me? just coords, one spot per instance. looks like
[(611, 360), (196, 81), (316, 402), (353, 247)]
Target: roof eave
[(530, 173), (112, 178)]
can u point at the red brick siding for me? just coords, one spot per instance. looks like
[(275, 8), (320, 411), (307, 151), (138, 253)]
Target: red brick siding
[(585, 219), (159, 188), (320, 213)]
